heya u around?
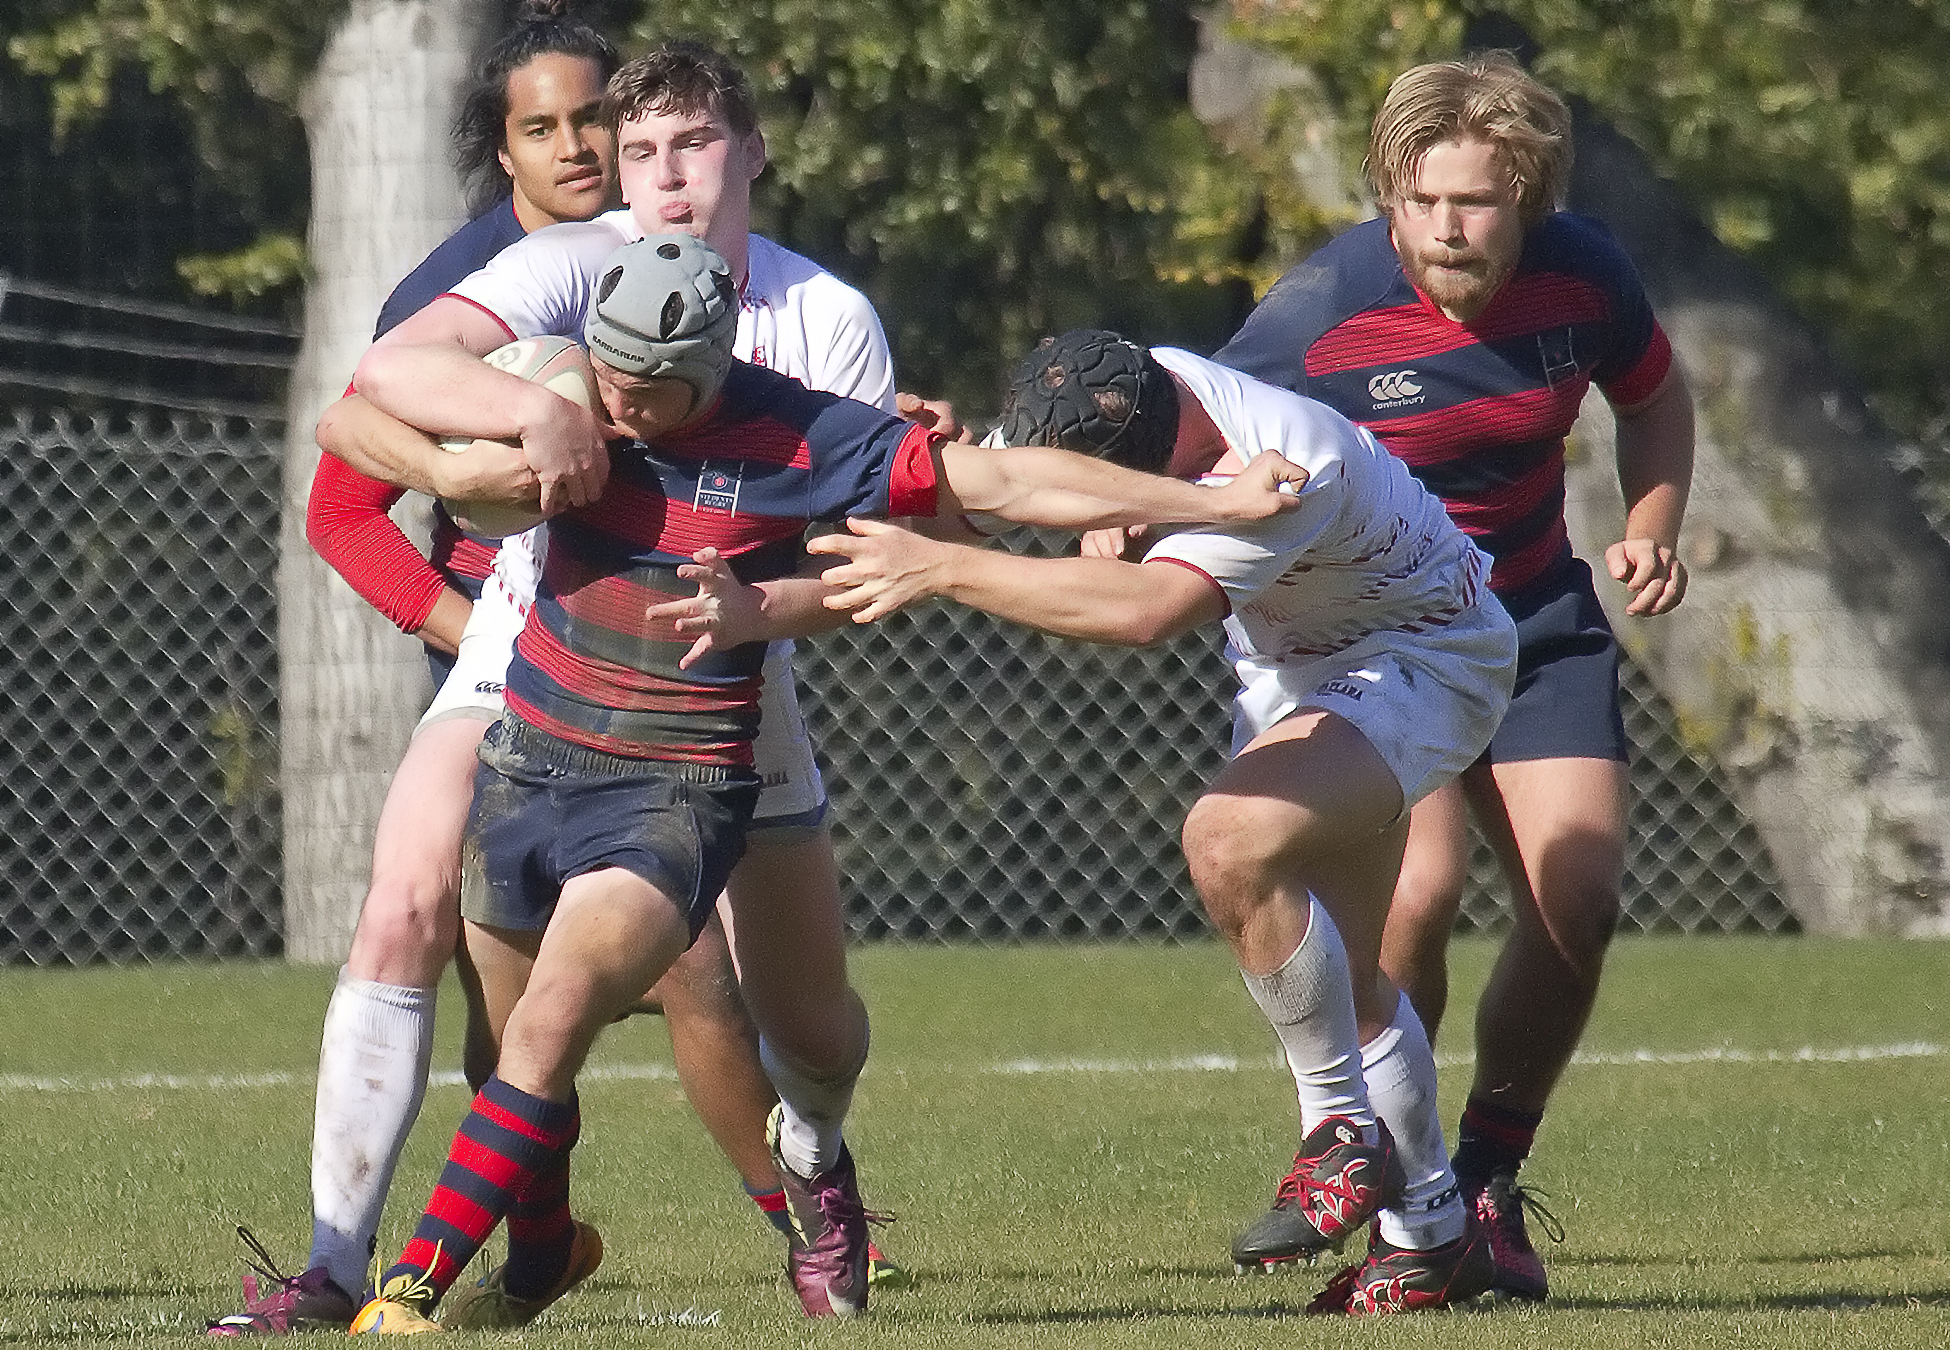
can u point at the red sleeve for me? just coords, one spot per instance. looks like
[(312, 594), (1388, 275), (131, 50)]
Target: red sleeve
[(911, 486), (1642, 381), (346, 521)]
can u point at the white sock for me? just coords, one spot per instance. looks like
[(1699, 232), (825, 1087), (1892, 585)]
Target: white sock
[(812, 1109), (1310, 1003), (1400, 1069), (372, 1076)]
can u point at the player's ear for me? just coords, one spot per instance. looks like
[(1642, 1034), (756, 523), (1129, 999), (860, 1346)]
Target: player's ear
[(755, 152)]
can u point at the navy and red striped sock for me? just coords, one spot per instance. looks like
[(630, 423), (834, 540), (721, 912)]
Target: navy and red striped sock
[(772, 1205), (540, 1229), (506, 1141), (1492, 1139)]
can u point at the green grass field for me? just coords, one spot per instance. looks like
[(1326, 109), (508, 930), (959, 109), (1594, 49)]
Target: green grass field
[(1753, 1151)]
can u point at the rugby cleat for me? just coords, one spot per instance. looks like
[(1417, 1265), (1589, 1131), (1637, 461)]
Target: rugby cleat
[(1337, 1183), (1402, 1279), (401, 1307), (826, 1253), (389, 1317), (283, 1304), (1499, 1205), (486, 1305)]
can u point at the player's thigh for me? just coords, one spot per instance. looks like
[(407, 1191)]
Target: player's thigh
[(1561, 822), (425, 812), (1309, 785), (611, 935), (409, 920), (1435, 861), (501, 959), (702, 982)]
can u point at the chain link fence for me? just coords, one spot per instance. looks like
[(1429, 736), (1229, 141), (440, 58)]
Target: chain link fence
[(989, 783), (138, 612)]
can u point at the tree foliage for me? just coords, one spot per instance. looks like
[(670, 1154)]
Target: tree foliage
[(177, 119), (1813, 135), (991, 170)]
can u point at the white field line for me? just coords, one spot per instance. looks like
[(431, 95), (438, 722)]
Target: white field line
[(1076, 1065)]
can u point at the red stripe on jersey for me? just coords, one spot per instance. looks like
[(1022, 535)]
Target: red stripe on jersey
[(1507, 419), (1380, 337), (912, 489), (625, 510), (736, 441), (645, 516), (612, 602), (1480, 512), (622, 688), (457, 552), (687, 529), (738, 753), (1516, 570), (1529, 304), (1537, 301), (1642, 381)]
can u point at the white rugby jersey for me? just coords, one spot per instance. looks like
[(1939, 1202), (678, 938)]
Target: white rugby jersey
[(794, 317), (1370, 548)]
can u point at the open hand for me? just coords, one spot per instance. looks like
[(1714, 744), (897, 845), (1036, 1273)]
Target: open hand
[(887, 568), (725, 612)]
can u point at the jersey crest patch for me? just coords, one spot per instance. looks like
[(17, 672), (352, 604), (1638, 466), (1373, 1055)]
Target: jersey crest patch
[(717, 489)]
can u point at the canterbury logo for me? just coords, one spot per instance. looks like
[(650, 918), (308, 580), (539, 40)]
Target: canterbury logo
[(1393, 387)]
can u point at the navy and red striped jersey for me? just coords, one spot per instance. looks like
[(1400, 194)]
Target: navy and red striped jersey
[(771, 457), (1479, 410)]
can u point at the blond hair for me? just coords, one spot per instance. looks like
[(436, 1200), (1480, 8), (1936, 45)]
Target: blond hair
[(1487, 96)]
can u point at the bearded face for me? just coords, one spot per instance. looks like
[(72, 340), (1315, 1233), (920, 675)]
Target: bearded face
[(1459, 230)]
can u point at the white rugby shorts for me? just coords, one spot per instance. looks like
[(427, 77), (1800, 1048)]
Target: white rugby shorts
[(793, 799), (1427, 701)]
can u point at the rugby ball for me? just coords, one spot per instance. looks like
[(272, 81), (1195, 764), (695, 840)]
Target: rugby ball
[(558, 365)]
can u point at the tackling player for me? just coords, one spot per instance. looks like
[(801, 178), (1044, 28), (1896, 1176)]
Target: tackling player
[(615, 790), (1373, 665), (1463, 329)]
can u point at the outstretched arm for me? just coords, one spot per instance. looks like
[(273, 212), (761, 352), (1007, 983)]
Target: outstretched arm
[(1037, 485), (1096, 599), (1655, 472)]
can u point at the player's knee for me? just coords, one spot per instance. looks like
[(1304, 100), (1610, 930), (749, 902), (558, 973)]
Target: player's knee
[(1236, 859), (406, 931), (703, 987), (1578, 921)]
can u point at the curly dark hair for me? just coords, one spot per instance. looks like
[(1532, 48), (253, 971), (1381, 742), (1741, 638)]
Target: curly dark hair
[(480, 128)]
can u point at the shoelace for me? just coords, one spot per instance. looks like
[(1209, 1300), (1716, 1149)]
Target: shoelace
[(269, 1267), (1528, 1203), (838, 1208), (1287, 1193)]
